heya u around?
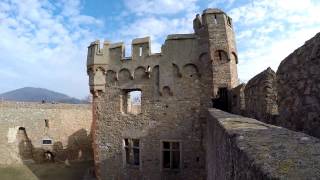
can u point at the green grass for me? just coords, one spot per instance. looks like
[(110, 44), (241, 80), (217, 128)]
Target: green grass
[(47, 171)]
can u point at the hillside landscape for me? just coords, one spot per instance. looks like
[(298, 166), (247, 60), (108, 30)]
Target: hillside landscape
[(31, 94)]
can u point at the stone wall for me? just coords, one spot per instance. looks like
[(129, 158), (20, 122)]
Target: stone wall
[(244, 148), (261, 97), (298, 81), (24, 126), (170, 111)]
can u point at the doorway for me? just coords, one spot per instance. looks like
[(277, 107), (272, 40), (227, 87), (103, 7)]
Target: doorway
[(221, 100)]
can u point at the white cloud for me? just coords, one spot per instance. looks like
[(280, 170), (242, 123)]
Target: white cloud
[(156, 28), (269, 30), (45, 45), (218, 3), (160, 18)]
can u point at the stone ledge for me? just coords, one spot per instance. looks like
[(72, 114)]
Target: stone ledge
[(116, 45), (141, 40), (244, 148), (180, 36)]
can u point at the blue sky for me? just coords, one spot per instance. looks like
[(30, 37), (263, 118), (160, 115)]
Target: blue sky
[(44, 42)]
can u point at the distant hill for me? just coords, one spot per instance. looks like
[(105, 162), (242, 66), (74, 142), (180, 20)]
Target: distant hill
[(30, 94)]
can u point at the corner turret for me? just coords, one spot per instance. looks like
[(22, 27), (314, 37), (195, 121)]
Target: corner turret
[(97, 60), (216, 33)]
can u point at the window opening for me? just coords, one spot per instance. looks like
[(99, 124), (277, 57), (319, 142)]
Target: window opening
[(46, 122), (140, 51), (132, 102), (46, 141), (136, 151), (215, 19), (127, 150), (132, 151), (170, 155)]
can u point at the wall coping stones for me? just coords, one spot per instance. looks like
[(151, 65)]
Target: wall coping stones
[(266, 151), (141, 40)]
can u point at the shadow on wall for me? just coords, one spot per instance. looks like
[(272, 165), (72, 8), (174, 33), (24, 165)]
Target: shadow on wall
[(52, 158)]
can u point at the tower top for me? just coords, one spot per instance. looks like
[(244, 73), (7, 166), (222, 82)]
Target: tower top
[(212, 11)]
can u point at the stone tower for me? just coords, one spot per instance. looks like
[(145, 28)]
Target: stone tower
[(217, 44), (163, 136)]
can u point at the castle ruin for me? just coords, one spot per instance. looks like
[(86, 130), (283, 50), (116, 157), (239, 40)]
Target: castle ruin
[(167, 115), (153, 116), (166, 139)]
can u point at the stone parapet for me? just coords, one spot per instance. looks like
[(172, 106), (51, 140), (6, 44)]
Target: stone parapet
[(298, 82), (244, 148)]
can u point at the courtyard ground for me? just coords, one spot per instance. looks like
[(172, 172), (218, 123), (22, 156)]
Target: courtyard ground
[(47, 171)]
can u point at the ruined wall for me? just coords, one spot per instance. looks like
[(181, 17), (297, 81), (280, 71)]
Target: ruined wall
[(170, 106), (244, 148), (177, 86), (69, 129), (261, 97), (298, 81)]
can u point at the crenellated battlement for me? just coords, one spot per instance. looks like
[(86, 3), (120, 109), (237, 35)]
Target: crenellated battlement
[(114, 53), (212, 39), (96, 54)]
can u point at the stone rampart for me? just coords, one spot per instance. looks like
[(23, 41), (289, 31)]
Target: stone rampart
[(244, 148)]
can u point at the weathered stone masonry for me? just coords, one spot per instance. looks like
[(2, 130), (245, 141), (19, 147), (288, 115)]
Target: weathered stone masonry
[(176, 137), (258, 98), (244, 148), (177, 87), (261, 97), (298, 81), (290, 98), (25, 126)]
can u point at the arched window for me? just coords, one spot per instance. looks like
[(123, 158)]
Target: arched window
[(221, 56), (124, 76), (111, 77), (140, 73), (190, 70)]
